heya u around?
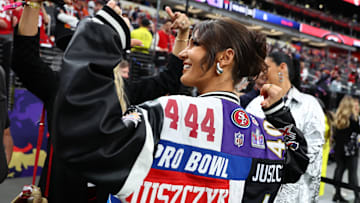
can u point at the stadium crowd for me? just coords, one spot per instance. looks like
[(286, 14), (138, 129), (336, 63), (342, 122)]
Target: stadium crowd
[(336, 16)]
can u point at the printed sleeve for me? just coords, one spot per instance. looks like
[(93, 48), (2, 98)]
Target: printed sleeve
[(36, 75), (296, 161)]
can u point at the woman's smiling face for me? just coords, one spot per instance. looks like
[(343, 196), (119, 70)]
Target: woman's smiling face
[(195, 74)]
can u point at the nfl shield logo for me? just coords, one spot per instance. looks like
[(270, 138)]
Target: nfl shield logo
[(239, 139)]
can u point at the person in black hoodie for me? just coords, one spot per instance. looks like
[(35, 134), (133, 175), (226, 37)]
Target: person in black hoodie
[(41, 80), (346, 150)]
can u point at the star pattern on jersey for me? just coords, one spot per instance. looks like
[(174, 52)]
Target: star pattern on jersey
[(287, 133)]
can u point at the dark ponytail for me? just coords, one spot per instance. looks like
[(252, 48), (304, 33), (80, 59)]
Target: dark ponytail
[(295, 75), (249, 46), (259, 43)]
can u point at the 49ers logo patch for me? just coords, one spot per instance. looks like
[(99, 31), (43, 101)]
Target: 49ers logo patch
[(240, 118)]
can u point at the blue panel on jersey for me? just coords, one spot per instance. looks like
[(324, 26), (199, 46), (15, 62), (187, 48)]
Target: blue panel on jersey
[(113, 199), (202, 162)]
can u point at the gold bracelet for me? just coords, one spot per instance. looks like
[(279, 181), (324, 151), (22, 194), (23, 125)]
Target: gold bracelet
[(33, 4), (181, 40)]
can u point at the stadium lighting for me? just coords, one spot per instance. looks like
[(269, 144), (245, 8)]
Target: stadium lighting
[(191, 9), (318, 44), (254, 27), (212, 16), (272, 32), (304, 40)]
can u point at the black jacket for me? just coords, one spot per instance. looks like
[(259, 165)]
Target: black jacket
[(346, 143), (41, 80)]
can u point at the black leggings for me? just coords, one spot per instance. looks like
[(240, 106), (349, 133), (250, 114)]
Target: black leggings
[(342, 163)]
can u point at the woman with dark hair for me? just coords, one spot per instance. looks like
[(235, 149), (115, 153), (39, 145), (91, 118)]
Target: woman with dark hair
[(309, 118), (346, 149), (176, 147)]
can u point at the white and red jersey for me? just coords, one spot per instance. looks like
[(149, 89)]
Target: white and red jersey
[(210, 150)]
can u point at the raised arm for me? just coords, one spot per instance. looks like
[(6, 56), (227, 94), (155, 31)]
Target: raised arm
[(181, 22), (28, 25), (37, 76), (167, 82), (277, 114)]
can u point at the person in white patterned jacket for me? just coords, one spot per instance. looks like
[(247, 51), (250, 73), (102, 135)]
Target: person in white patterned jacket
[(309, 118)]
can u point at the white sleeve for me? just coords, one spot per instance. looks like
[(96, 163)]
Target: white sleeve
[(254, 107), (71, 20), (314, 127)]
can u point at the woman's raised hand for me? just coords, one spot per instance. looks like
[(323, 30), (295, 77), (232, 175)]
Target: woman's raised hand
[(179, 20), (272, 94)]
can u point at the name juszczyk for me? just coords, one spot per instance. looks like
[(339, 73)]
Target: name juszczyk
[(267, 173)]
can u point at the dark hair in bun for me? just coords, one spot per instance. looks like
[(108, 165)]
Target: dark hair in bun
[(249, 47)]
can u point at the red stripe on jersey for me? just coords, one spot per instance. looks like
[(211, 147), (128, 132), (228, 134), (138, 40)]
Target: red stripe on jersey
[(172, 186)]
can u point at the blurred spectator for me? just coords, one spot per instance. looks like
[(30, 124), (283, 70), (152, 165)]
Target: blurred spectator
[(125, 16), (81, 7), (67, 19), (99, 4), (50, 9), (352, 77), (304, 71), (351, 80), (322, 86), (7, 22), (143, 34), (335, 72), (336, 85), (122, 69), (163, 43), (346, 145), (134, 14), (91, 6), (164, 39)]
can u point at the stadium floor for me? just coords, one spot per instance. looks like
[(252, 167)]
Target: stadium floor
[(11, 187)]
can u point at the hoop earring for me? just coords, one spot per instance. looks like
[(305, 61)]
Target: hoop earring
[(281, 77), (219, 70)]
